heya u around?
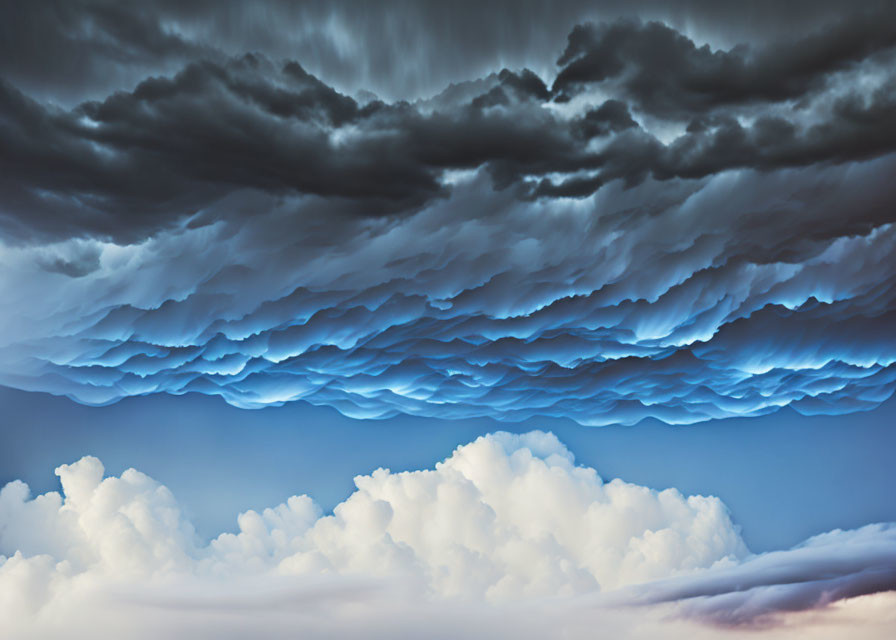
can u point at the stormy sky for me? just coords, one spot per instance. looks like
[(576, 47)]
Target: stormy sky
[(648, 224), (599, 213)]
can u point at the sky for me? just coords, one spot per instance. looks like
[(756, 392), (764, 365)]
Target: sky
[(412, 311), (820, 474)]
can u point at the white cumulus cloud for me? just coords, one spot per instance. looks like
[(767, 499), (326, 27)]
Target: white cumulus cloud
[(507, 526)]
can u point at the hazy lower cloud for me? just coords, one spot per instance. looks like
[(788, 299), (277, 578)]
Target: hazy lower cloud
[(822, 570), (664, 218), (508, 518)]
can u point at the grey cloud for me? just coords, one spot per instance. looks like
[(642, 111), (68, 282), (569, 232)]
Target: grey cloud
[(666, 73), (69, 50), (75, 262), (822, 570), (73, 50), (857, 128), (139, 161)]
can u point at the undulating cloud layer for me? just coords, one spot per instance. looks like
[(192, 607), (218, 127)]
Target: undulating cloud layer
[(507, 519), (647, 225)]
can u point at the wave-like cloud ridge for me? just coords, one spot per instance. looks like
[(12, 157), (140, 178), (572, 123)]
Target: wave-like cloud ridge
[(602, 311)]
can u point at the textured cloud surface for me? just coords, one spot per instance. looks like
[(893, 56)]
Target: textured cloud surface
[(648, 225), (824, 569), (604, 313), (506, 519)]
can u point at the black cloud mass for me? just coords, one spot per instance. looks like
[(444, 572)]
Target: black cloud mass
[(645, 220)]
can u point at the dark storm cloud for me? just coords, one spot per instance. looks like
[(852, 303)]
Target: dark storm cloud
[(128, 165), (651, 228), (666, 73), (138, 160), (857, 128), (72, 50), (64, 50)]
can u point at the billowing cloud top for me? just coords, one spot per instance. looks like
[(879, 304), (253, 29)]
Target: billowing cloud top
[(509, 519), (651, 223)]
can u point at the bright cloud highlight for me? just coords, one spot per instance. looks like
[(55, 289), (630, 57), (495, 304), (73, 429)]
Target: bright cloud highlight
[(505, 520)]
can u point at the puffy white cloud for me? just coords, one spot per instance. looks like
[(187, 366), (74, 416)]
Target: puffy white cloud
[(503, 517), (507, 535)]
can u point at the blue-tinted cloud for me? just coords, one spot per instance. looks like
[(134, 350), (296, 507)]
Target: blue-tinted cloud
[(682, 302)]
